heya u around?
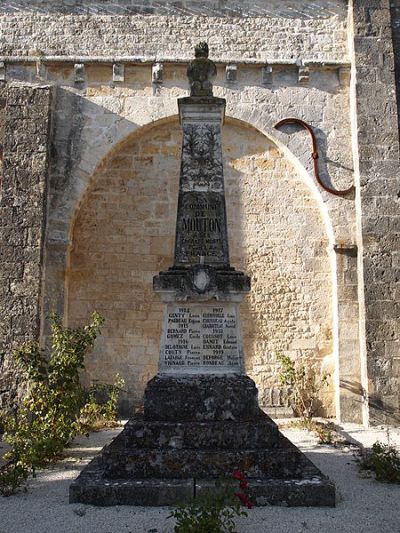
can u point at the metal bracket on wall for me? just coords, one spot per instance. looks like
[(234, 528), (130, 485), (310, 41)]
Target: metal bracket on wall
[(314, 155)]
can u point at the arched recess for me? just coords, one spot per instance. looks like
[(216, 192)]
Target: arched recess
[(279, 233)]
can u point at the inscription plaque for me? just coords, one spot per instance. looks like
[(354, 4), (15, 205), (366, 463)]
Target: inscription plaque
[(202, 228), (201, 337)]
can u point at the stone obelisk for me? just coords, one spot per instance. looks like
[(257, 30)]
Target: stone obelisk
[(201, 418), (201, 339)]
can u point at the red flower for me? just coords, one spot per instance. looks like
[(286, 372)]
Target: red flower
[(244, 499), (243, 484), (237, 474)]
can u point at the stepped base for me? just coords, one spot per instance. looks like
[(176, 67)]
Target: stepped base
[(92, 488), (259, 433), (193, 432), (283, 461)]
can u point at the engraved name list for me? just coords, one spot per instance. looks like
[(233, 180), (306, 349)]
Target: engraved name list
[(200, 336)]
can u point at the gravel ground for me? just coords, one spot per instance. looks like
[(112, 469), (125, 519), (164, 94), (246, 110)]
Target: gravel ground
[(363, 505)]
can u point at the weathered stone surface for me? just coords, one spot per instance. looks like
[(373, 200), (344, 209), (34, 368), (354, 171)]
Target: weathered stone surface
[(281, 461), (236, 8), (317, 491), (380, 215), (91, 488), (200, 398), (189, 456), (218, 282), (280, 476), (201, 229), (222, 434), (25, 122), (276, 34), (201, 71)]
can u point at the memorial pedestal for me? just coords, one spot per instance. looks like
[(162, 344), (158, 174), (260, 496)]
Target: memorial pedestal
[(201, 418), (195, 430)]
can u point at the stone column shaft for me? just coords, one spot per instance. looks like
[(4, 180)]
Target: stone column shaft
[(201, 232)]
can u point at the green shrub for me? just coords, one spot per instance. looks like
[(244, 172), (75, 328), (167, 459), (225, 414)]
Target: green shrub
[(53, 409), (384, 461), (304, 385), (101, 407), (213, 512)]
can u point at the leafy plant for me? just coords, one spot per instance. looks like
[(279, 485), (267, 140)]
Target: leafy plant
[(384, 461), (51, 413), (11, 477), (213, 512), (101, 407), (303, 383), (325, 435)]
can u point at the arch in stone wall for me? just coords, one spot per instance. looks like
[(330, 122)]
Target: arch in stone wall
[(123, 231)]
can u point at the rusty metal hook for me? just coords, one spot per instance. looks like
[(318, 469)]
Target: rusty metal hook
[(314, 154)]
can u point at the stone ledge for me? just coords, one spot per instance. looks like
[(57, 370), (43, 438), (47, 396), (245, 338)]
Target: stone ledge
[(279, 474), (344, 62), (92, 488), (222, 282), (280, 462), (312, 492), (222, 434)]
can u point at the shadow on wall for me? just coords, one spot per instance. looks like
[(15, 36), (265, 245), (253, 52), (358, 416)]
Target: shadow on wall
[(382, 412), (83, 133)]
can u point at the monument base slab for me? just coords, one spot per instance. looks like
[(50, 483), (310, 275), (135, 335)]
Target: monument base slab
[(92, 488)]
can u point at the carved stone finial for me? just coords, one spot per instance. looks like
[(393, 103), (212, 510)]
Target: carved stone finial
[(200, 72), (201, 49)]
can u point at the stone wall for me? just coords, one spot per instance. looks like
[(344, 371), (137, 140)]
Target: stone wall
[(124, 234), (209, 8), (395, 23), (104, 115), (349, 256), (25, 121), (262, 38), (378, 152)]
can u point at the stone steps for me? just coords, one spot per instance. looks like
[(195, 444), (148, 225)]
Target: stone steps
[(258, 433), (93, 489), (283, 461), (194, 431)]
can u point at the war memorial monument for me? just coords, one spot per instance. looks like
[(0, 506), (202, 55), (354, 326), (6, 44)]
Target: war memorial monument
[(201, 418)]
